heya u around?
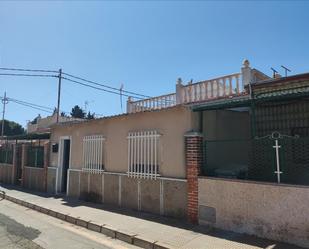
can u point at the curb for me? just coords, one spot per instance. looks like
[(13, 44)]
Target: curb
[(105, 229)]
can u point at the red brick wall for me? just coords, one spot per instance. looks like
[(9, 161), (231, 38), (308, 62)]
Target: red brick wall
[(194, 158)]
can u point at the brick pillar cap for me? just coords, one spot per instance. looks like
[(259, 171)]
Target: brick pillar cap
[(193, 134)]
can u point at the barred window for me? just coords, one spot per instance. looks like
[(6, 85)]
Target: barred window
[(93, 154), (143, 154)]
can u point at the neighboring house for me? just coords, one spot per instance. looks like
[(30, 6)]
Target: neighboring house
[(42, 125)]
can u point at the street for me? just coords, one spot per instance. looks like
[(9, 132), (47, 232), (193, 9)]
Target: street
[(23, 228)]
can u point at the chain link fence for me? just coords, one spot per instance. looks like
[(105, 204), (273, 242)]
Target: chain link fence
[(259, 159)]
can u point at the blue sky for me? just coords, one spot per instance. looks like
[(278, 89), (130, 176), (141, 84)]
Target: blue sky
[(144, 45)]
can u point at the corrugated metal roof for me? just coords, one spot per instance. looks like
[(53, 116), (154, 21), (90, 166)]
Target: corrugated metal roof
[(284, 93), (222, 103)]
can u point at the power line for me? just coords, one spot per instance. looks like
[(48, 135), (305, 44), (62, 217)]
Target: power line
[(30, 75), (97, 88), (70, 75), (33, 107), (28, 70), (39, 107), (106, 86), (28, 103)]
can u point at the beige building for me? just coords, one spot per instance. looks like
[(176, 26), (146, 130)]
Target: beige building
[(135, 160)]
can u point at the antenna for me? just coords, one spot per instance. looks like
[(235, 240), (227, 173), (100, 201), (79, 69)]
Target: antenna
[(286, 70), (274, 72)]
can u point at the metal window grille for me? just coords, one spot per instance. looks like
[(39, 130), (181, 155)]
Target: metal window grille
[(143, 154), (93, 159)]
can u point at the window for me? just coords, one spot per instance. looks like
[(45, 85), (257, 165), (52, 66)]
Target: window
[(143, 154), (93, 159)]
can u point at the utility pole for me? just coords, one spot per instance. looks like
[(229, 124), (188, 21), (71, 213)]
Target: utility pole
[(4, 102), (59, 91)]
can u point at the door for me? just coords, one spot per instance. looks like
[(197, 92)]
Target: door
[(64, 164)]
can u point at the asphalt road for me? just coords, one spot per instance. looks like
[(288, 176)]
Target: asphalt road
[(23, 228)]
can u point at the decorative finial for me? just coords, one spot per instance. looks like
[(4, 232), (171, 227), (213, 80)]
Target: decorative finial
[(246, 63), (179, 81)]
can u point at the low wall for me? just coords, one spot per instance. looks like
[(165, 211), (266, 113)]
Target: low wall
[(6, 173), (272, 211), (51, 179), (34, 178), (162, 196)]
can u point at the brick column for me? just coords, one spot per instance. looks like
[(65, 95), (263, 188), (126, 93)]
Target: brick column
[(46, 164), (194, 157), (24, 159)]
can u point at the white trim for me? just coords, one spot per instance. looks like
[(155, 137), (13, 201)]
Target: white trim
[(49, 167), (125, 174), (75, 170), (29, 167), (56, 181), (79, 183), (68, 180), (60, 161), (88, 183), (161, 197), (102, 182), (119, 191), (139, 202), (114, 173)]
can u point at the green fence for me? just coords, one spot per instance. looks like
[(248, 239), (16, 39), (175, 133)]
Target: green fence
[(258, 159), (6, 154), (35, 156)]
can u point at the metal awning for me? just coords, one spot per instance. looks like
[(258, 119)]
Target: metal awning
[(243, 101)]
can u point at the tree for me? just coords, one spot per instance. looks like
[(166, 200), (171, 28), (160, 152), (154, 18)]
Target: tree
[(77, 112), (90, 116), (12, 128)]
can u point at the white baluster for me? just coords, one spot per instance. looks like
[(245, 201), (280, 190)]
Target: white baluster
[(237, 84), (224, 86), (230, 85), (212, 89)]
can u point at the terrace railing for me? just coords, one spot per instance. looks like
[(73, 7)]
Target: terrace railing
[(228, 86), (225, 86), (154, 103)]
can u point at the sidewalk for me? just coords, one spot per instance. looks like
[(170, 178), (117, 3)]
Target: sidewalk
[(144, 230)]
